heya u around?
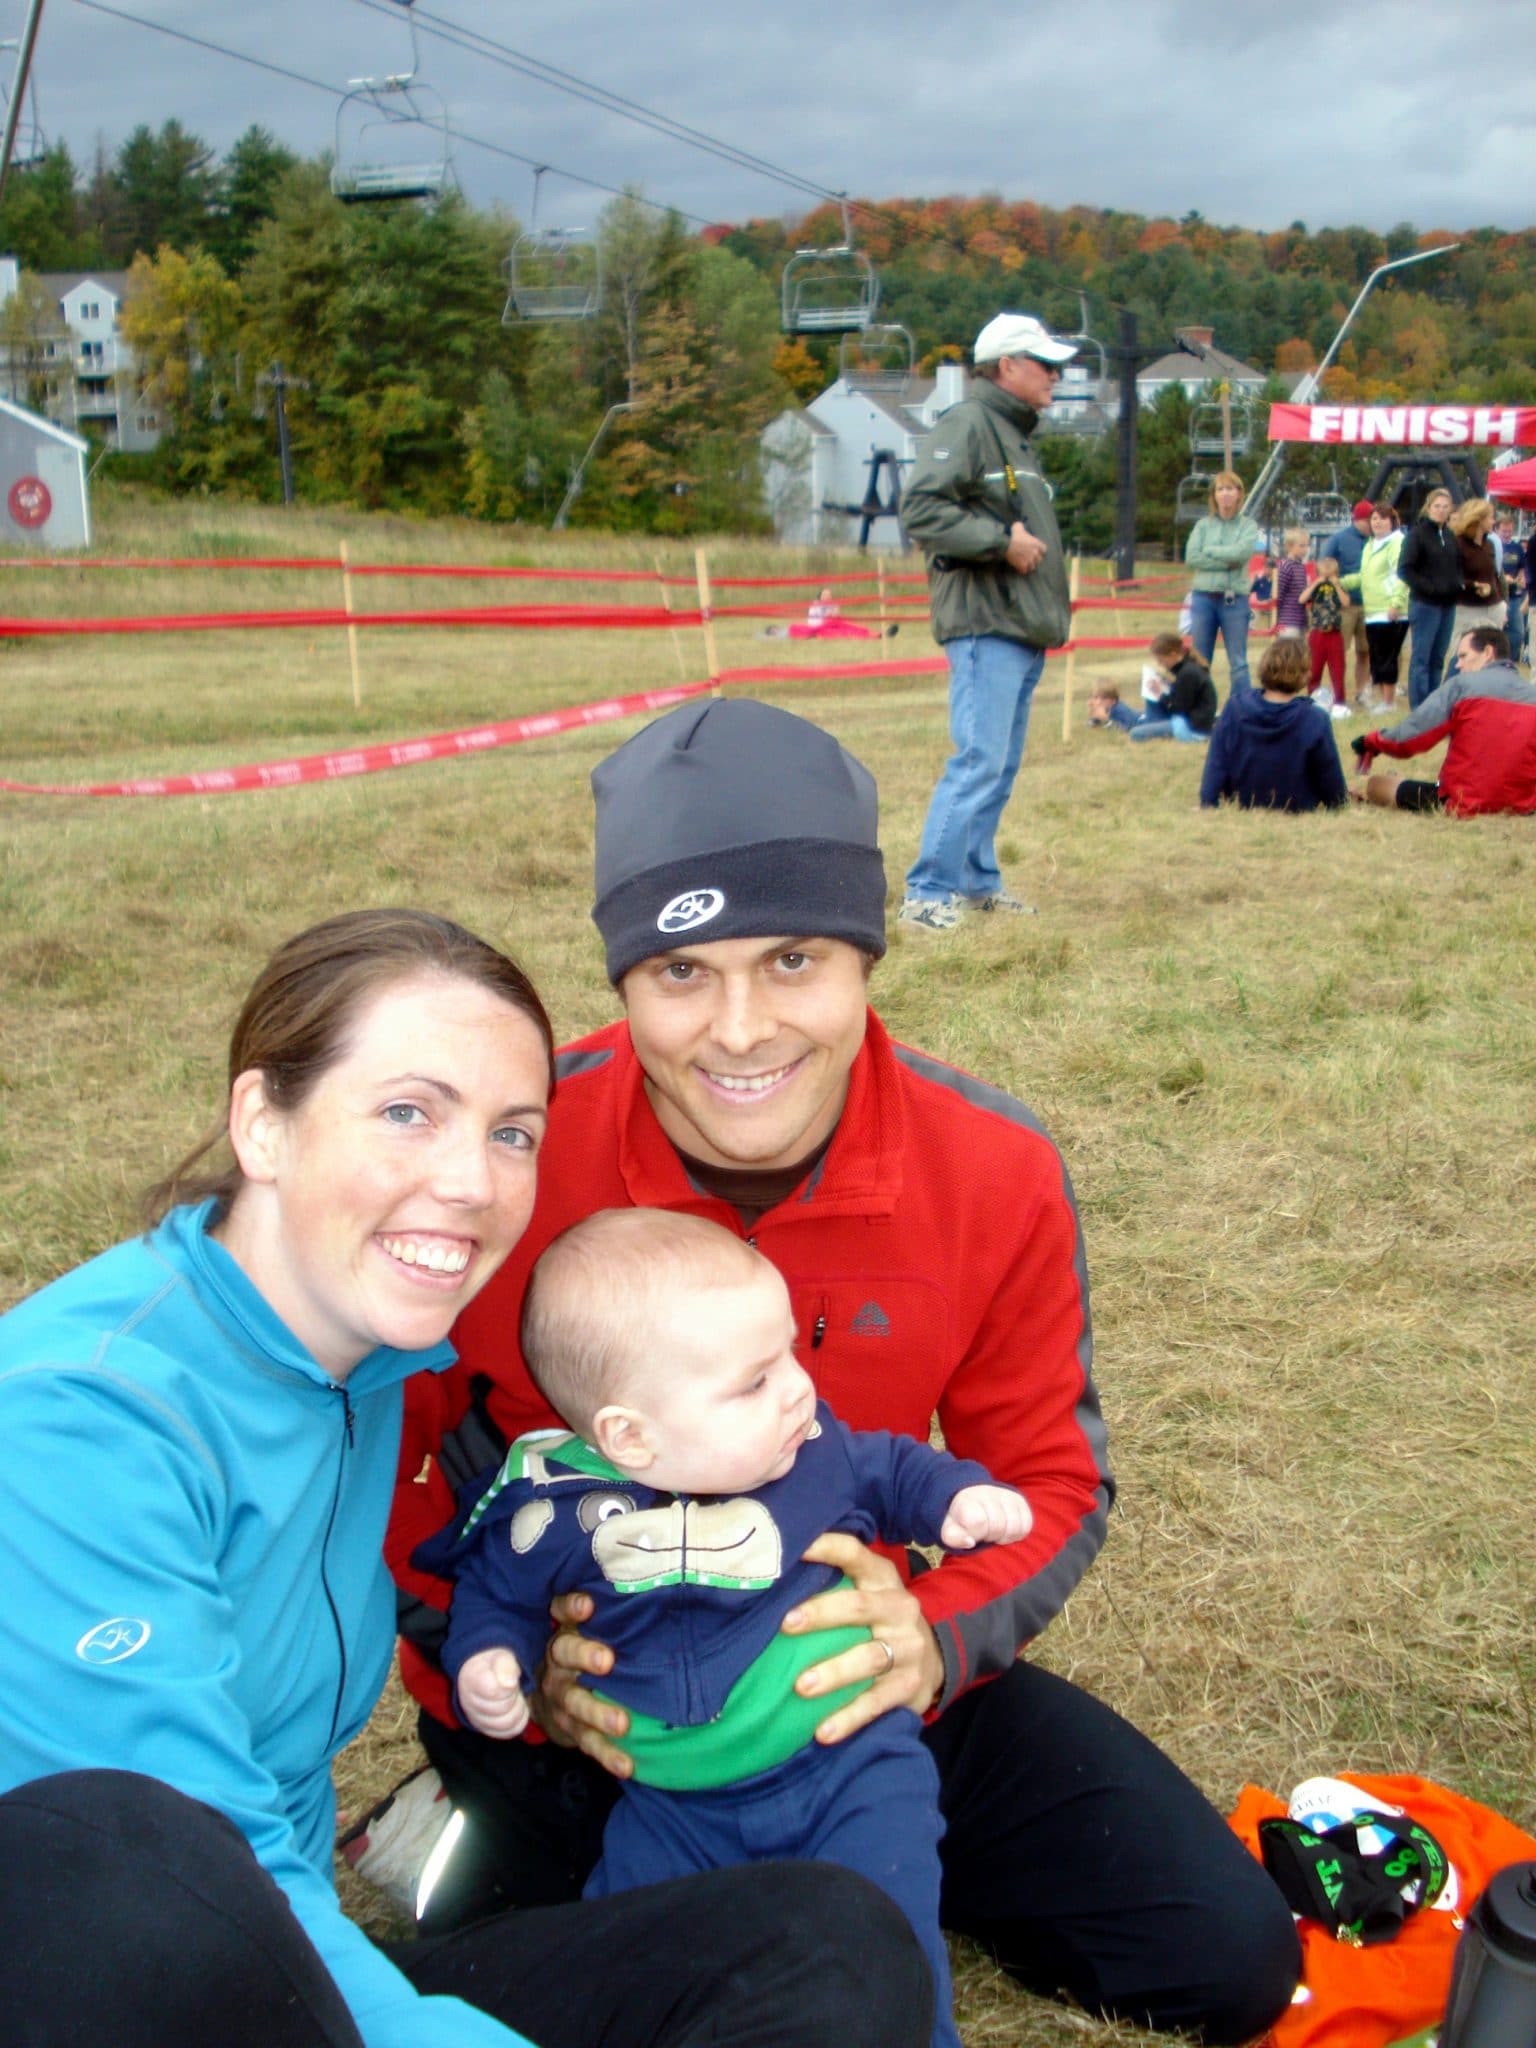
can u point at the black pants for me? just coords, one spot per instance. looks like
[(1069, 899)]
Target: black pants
[(1076, 1853), (136, 1917)]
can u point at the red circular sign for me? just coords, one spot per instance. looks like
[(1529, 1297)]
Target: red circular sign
[(29, 501)]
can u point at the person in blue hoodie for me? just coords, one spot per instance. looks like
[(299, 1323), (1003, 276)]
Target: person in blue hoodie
[(1273, 748), (202, 1427), (700, 1473)]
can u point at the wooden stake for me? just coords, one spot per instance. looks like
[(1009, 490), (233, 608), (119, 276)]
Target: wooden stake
[(666, 605), (346, 602), (880, 571), (1066, 695), (707, 618)]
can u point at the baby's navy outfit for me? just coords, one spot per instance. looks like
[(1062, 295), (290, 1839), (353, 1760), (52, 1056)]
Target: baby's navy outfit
[(689, 1592)]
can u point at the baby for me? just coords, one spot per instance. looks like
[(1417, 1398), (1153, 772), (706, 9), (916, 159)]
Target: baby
[(700, 1468)]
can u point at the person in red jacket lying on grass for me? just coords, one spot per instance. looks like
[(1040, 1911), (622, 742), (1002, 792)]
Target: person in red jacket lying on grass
[(1488, 712)]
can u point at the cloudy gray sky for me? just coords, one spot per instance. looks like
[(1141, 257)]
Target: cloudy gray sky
[(1251, 112)]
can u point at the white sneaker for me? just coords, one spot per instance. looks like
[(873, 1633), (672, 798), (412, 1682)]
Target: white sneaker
[(393, 1845), (932, 913), (1341, 711)]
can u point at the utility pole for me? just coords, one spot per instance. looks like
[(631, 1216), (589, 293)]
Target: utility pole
[(1128, 357), (281, 385)]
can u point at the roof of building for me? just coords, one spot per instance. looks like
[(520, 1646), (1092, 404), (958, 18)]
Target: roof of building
[(1182, 365), (39, 425), (62, 282)]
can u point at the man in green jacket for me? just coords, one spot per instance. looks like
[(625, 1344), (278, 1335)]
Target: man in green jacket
[(980, 509)]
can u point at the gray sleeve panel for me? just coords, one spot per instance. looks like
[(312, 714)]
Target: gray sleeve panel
[(1435, 710), (570, 1063), (990, 1637)]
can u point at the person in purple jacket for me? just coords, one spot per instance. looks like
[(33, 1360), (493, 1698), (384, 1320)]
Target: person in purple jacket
[(1273, 749), (687, 1504)]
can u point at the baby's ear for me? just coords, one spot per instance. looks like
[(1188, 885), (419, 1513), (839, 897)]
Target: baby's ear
[(624, 1438)]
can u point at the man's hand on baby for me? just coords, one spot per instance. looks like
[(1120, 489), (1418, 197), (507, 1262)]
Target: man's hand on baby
[(490, 1692), (568, 1711), (985, 1514)]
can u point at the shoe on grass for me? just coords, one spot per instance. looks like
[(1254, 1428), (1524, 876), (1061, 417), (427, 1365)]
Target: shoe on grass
[(1343, 711), (1004, 899), (392, 1845), (931, 913)]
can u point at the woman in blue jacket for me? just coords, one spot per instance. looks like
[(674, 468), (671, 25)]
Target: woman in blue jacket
[(201, 1431)]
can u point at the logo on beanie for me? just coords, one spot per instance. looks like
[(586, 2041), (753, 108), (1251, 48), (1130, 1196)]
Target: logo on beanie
[(687, 912)]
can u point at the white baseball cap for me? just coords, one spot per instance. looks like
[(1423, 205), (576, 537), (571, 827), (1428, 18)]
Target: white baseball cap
[(1020, 334)]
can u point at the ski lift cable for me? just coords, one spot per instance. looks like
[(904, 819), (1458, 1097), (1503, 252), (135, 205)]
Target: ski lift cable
[(666, 125), (598, 95), (334, 93)]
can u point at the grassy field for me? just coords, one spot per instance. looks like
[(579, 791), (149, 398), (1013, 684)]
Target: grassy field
[(1289, 1062)]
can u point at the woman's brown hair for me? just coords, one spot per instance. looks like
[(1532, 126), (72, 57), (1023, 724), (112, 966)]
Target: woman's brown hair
[(297, 1018)]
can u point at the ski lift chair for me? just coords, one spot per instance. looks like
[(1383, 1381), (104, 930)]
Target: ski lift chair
[(877, 357), (830, 290), (391, 142), (1192, 498), (392, 139), (553, 274)]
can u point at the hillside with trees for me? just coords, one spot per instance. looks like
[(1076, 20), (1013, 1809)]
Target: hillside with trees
[(406, 388)]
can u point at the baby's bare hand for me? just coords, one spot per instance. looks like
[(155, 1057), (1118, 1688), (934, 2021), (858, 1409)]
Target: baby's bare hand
[(985, 1514), (491, 1694)]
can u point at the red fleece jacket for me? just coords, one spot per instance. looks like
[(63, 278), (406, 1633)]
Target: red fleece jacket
[(1489, 717), (935, 1264)]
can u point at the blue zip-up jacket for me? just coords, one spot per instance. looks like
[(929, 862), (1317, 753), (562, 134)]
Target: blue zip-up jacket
[(1273, 756), (193, 1513), (688, 1591)]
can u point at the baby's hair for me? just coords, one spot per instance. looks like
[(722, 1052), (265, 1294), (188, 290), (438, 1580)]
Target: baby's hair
[(1166, 646), (1328, 565), (596, 1293), (1284, 667), (1106, 691)]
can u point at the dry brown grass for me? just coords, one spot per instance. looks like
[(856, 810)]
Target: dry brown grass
[(1289, 1062)]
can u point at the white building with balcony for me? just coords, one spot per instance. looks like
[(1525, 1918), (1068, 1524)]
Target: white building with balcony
[(68, 354)]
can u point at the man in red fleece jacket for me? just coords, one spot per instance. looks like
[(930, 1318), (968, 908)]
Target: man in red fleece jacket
[(1488, 712), (926, 1228)]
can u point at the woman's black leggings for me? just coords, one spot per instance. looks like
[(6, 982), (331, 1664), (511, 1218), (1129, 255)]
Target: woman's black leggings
[(136, 1916)]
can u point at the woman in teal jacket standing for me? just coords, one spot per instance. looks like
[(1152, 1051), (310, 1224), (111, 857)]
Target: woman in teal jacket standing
[(201, 1429), (1218, 550)]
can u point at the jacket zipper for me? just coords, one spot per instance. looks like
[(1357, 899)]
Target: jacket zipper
[(325, 1553)]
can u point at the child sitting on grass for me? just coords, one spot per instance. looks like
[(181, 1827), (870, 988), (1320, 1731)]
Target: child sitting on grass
[(1273, 747), (700, 1468), (1181, 698)]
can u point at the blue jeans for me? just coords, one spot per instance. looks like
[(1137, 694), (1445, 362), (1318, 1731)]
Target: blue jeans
[(991, 681), (1210, 613), (1430, 625), (1174, 727), (1514, 625)]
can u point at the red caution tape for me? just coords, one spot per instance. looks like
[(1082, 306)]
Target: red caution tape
[(369, 760), (523, 571), (482, 738)]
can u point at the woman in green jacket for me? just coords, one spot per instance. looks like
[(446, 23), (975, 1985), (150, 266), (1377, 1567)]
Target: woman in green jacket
[(1383, 599), (1218, 551)]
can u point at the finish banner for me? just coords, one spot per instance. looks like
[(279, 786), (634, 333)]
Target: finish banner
[(1406, 426)]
